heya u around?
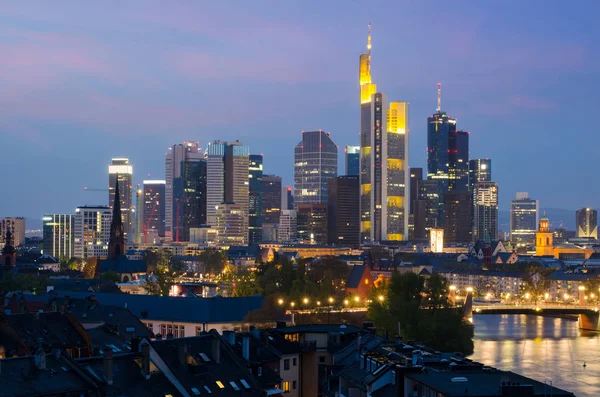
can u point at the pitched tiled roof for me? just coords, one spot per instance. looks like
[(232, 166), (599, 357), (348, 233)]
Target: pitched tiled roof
[(355, 276), (123, 265)]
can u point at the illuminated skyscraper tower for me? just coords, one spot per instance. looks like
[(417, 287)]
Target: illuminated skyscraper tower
[(383, 160)]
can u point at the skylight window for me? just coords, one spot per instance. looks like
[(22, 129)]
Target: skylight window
[(220, 384), (245, 384), (204, 357), (235, 387), (207, 389), (195, 391)]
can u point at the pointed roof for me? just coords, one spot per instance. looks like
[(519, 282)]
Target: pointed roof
[(117, 202), (8, 246)]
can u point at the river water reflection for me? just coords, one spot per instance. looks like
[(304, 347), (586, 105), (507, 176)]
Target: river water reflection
[(543, 348)]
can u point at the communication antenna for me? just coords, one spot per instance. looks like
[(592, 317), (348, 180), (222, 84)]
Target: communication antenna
[(439, 107)]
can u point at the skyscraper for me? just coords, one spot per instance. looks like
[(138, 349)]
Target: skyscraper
[(17, 228), (587, 223), (227, 182), (458, 161), (271, 199), (58, 238), (429, 200), (288, 225), (343, 212), (458, 226), (153, 210), (312, 223), (416, 175), (124, 170), (255, 211), (189, 198), (485, 209), (92, 231), (524, 219), (383, 160), (231, 222), (315, 161), (174, 159), (441, 130), (480, 170), (352, 154)]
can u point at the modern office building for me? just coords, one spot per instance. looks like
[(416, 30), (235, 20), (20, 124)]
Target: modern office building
[(458, 224), (178, 154), (58, 237), (124, 170), (152, 211), (485, 210), (587, 223), (91, 225), (384, 177), (312, 223), (232, 224), (416, 175), (227, 180), (480, 170), (352, 154), (315, 161), (524, 219), (17, 228), (189, 198), (289, 198), (343, 211), (271, 199), (458, 165), (255, 211), (427, 209), (288, 226)]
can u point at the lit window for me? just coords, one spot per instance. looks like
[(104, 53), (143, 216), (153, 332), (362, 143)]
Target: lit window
[(286, 387)]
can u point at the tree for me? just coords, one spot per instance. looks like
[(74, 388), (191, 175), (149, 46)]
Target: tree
[(110, 276), (537, 282), (161, 281), (436, 290), (22, 282)]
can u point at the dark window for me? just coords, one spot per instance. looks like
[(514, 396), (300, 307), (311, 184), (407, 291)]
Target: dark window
[(294, 361), (322, 360), (286, 364), (294, 385)]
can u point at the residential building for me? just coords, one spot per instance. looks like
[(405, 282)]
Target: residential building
[(121, 172), (587, 223), (312, 223), (343, 211), (384, 173), (231, 224), (178, 154), (227, 181), (480, 170), (58, 235), (315, 161), (152, 210), (288, 226), (485, 209), (190, 195), (458, 224), (17, 228), (91, 226), (352, 154), (524, 218), (255, 192)]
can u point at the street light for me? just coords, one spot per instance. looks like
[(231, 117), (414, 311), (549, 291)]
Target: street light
[(318, 303), (546, 295), (280, 301), (346, 302), (527, 295), (305, 300), (381, 298), (293, 304), (356, 299), (330, 300)]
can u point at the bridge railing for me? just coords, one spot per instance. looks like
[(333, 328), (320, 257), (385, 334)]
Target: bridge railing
[(541, 306)]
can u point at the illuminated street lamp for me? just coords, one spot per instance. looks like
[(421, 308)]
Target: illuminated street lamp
[(381, 298), (582, 296), (280, 301), (527, 295), (356, 299), (346, 302), (318, 303), (546, 295), (330, 300), (292, 304), (305, 301)]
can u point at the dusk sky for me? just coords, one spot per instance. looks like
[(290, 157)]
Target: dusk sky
[(84, 81)]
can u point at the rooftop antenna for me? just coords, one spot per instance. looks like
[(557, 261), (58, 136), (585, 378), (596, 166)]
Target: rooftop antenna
[(439, 107), (369, 39)]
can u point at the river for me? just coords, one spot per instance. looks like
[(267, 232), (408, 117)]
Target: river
[(543, 348)]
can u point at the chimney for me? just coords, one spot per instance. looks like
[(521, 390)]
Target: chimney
[(246, 347), (182, 353), (40, 355), (216, 349), (108, 366), (146, 360)]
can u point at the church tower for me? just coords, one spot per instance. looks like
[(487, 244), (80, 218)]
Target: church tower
[(116, 244), (543, 239), (9, 253)]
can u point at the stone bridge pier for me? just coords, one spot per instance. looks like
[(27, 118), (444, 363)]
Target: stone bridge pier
[(589, 321)]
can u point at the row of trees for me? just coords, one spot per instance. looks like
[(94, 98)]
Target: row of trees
[(419, 310)]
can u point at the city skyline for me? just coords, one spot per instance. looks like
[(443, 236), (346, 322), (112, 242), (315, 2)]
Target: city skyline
[(494, 92)]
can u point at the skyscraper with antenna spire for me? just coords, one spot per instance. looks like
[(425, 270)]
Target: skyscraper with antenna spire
[(383, 176)]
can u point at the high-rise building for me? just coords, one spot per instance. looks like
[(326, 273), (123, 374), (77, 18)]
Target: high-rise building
[(120, 167), (416, 175), (485, 210), (352, 154), (384, 175), (480, 170), (92, 231), (58, 238), (290, 198), (17, 228), (288, 225), (232, 224), (174, 159), (315, 161), (190, 198), (458, 225), (271, 199), (343, 211), (458, 157), (587, 223), (524, 219), (427, 209), (312, 223), (227, 181), (153, 211), (255, 211), (441, 129)]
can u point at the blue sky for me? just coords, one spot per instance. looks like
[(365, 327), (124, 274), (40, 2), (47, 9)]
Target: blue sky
[(81, 82)]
